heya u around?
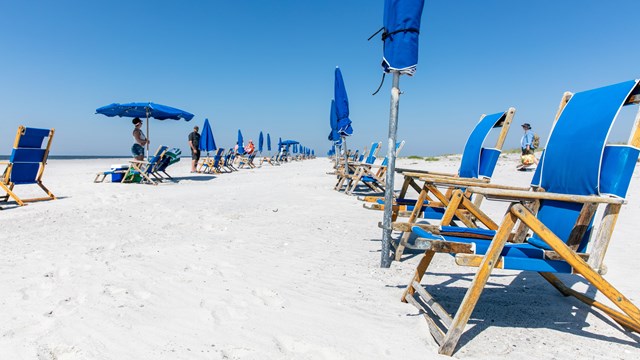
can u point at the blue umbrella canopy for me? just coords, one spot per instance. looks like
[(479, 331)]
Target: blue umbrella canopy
[(144, 110), (268, 142), (342, 105), (240, 143), (333, 122), (401, 24), (260, 141), (207, 143)]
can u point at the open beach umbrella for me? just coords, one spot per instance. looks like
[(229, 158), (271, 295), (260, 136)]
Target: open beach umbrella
[(260, 142), (240, 143), (268, 142), (207, 143), (401, 27), (144, 110)]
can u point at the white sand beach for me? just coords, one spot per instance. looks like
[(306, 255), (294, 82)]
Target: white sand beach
[(268, 263)]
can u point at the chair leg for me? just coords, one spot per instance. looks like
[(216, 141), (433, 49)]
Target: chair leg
[(404, 239), (477, 285), (421, 269), (579, 266), (9, 191)]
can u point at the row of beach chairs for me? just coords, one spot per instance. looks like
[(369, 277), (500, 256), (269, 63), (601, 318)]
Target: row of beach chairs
[(561, 224)]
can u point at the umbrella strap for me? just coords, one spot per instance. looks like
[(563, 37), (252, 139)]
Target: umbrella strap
[(381, 83), (386, 34)]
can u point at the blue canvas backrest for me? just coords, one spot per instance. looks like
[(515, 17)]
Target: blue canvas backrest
[(371, 158), (28, 155), (471, 165), (574, 153), (385, 161)]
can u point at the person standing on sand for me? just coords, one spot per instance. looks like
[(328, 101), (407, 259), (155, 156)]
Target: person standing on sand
[(194, 144), (526, 145), (137, 149)]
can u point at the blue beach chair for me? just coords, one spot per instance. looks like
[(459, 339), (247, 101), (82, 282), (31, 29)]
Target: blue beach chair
[(573, 179), (27, 163), (213, 165), (353, 167), (476, 167), (145, 171), (168, 158), (365, 174)]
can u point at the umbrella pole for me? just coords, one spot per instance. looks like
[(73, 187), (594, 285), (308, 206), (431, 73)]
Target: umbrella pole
[(346, 157), (385, 258), (147, 145)]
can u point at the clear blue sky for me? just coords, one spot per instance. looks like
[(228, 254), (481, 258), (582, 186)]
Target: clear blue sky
[(268, 65)]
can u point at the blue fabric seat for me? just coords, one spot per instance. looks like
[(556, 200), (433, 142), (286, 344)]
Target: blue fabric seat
[(27, 163)]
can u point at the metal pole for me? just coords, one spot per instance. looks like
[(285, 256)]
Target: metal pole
[(346, 158), (385, 258), (147, 111)]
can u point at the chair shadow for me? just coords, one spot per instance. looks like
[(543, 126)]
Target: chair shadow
[(194, 178), (523, 304)]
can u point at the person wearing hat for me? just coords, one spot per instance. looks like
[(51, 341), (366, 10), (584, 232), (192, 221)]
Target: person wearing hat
[(194, 145), (137, 149), (526, 143)]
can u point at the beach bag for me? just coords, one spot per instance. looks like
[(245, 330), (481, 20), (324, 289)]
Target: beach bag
[(535, 143), (527, 160)]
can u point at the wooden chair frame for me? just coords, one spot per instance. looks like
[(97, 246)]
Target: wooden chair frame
[(5, 181), (447, 330)]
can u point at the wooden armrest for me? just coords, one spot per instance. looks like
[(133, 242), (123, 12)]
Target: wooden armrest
[(418, 173), (515, 195)]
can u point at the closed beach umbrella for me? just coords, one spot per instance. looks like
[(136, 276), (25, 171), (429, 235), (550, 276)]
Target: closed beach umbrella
[(401, 27), (260, 142), (240, 143), (268, 142), (207, 143), (342, 111), (144, 110)]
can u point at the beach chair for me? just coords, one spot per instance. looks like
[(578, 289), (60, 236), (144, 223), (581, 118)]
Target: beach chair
[(27, 163), (228, 161), (246, 161), (477, 164), (145, 171), (365, 174), (213, 164), (574, 178), (476, 168), (168, 158), (345, 170)]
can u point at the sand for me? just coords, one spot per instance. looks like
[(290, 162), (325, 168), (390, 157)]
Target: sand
[(269, 263)]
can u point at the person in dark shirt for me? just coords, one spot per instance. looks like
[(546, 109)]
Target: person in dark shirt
[(194, 144)]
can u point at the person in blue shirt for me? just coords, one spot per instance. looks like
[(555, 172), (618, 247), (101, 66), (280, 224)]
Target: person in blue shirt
[(526, 143)]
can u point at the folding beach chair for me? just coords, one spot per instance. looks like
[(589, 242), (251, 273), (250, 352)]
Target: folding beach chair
[(476, 168), (573, 179), (26, 163), (344, 175), (247, 161), (168, 158), (365, 173), (477, 164), (145, 171), (212, 165)]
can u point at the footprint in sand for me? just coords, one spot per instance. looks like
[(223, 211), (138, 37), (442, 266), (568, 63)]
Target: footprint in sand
[(268, 297)]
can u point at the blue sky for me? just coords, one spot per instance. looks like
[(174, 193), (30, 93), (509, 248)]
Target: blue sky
[(268, 65)]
